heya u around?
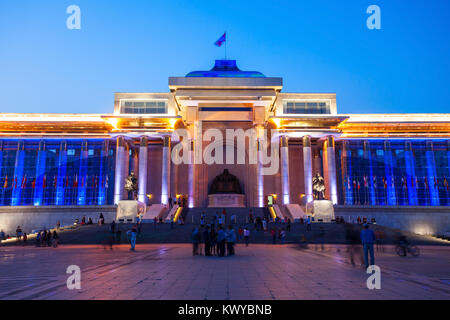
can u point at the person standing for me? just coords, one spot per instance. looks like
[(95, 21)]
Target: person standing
[(170, 203), (221, 241), (213, 238), (274, 235), (49, 238), (308, 226), (246, 236), (55, 239), (195, 236), (207, 240), (282, 236), (367, 239), (231, 240), (240, 234), (19, 233), (25, 237), (2, 235), (133, 239), (113, 227)]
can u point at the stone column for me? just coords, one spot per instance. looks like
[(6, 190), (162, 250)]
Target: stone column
[(410, 174), (284, 161), (62, 168), (19, 178), (142, 177), (307, 168), (165, 184), (432, 175), (259, 175), (389, 174), (369, 190), (119, 180), (103, 174), (329, 164), (40, 173), (82, 177), (191, 175)]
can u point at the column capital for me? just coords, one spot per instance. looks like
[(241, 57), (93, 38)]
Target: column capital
[(120, 141), (306, 141), (166, 141), (284, 141), (143, 141), (42, 145), (330, 141), (408, 145)]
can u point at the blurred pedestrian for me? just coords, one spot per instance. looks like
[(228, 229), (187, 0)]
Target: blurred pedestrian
[(55, 239), (246, 236), (195, 236), (367, 240), (133, 238), (231, 240)]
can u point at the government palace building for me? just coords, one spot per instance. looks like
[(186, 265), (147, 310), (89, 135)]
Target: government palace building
[(390, 168)]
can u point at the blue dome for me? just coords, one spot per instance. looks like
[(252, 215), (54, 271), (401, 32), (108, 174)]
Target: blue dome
[(226, 69)]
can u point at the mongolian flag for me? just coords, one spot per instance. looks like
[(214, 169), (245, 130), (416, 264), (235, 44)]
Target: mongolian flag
[(221, 40), (412, 182), (425, 182), (95, 181), (24, 182), (67, 181), (446, 184), (5, 184), (436, 181), (75, 182), (417, 182), (15, 183), (404, 182), (106, 182), (384, 183), (33, 183), (349, 186), (44, 181), (55, 182), (375, 182), (366, 182), (359, 186)]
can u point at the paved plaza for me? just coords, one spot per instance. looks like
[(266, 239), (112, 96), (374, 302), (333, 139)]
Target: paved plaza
[(169, 271)]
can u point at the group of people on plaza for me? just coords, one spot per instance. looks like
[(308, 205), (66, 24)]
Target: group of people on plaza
[(218, 243), (47, 239)]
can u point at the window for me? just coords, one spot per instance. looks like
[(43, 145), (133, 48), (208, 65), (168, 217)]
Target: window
[(144, 107), (307, 107)]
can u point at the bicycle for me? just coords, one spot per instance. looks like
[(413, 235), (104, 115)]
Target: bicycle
[(403, 249)]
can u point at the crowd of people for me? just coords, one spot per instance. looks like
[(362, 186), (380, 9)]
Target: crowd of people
[(206, 240)]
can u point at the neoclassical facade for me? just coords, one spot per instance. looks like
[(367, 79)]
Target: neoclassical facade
[(365, 159)]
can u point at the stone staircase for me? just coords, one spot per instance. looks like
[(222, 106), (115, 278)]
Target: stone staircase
[(167, 233), (193, 215)]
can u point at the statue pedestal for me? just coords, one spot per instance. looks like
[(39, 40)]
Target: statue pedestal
[(128, 210), (226, 201), (321, 210)]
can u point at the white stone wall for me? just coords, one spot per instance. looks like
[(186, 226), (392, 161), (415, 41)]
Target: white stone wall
[(45, 217), (420, 220)]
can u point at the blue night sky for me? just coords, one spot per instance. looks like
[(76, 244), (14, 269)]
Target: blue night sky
[(134, 46)]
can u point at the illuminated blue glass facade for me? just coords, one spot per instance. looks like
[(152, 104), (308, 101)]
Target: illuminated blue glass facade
[(394, 172), (56, 172)]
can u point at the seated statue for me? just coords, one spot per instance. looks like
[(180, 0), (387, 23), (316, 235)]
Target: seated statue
[(318, 187), (225, 183)]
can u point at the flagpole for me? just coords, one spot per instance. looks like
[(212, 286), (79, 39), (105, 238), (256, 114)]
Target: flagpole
[(226, 47)]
